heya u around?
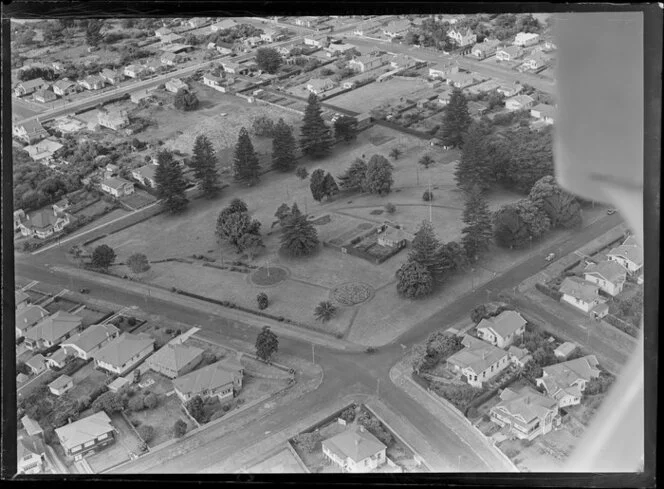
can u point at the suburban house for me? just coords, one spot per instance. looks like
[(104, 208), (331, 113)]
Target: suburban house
[(462, 38), (583, 295), (123, 353), (43, 151), (111, 76), (221, 379), (477, 109), (117, 187), (526, 39), (519, 356), (318, 85), (526, 413), (629, 255), (30, 131), (544, 112), (565, 382), (139, 96), (444, 69), (146, 175), (502, 329), (57, 359), (170, 38), (196, 22), (134, 71), (270, 35), (403, 62), (162, 31), (171, 59), (31, 426), (519, 102), (234, 68), (565, 350), (223, 25), (84, 344), (460, 80), (44, 96), (27, 317), (213, 81), (223, 47), (64, 87), (37, 364), (366, 63), (30, 86), (93, 82), (392, 237), (86, 435), (21, 300), (53, 330), (396, 28), (113, 119), (175, 84), (30, 455), (153, 65), (253, 41), (365, 27), (317, 40), (355, 450), (509, 53), (510, 90), (478, 361), (483, 50), (608, 275), (61, 385), (175, 360), (43, 223), (535, 61)]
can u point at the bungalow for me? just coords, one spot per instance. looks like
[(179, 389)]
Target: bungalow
[(53, 330), (162, 31), (565, 382), (565, 350), (535, 61), (30, 131), (29, 86), (510, 89), (224, 47), (526, 413), (84, 344), (355, 450), (583, 295), (27, 317), (86, 435), (519, 356), (462, 38), (483, 50), (123, 353), (444, 69), (629, 255), (396, 28), (64, 87), (93, 82), (403, 62), (43, 223), (111, 76), (61, 385), (170, 38), (334, 49), (113, 119), (31, 426), (21, 300), (57, 359), (175, 84), (519, 102), (223, 25), (270, 35), (317, 40), (460, 80), (213, 81), (253, 41), (134, 71), (45, 96), (501, 330), (318, 86), (175, 360), (221, 379), (139, 96), (153, 65), (526, 39), (117, 187), (509, 53), (171, 59), (30, 455), (544, 112), (608, 275), (392, 237), (43, 151), (479, 361), (37, 364)]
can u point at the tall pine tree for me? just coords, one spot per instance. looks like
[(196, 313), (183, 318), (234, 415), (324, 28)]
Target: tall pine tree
[(474, 168), (204, 164), (171, 185), (246, 166), (456, 120), (330, 185), (315, 140), (425, 249), (283, 147), (478, 233), (299, 236), (316, 184)]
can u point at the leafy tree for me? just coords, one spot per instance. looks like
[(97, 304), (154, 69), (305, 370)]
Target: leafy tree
[(427, 196), (353, 178), (378, 178), (456, 119), (324, 311), (103, 256), (299, 237), (262, 301), (515, 225), (179, 428), (246, 166), (477, 234), (196, 408), (452, 258), (171, 185), (151, 401), (136, 403), (475, 165), (440, 345), (233, 225), (426, 161), (390, 208), (562, 208), (395, 153), (138, 263), (478, 313), (599, 385), (93, 32), (345, 128), (524, 158), (301, 173), (425, 249), (528, 23), (185, 100), (315, 139), (204, 163), (263, 126), (267, 344), (109, 401), (268, 59), (283, 213), (283, 147), (414, 280), (316, 183), (237, 205), (251, 244)]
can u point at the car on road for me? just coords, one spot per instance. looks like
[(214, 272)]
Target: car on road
[(84, 291), (550, 256), (610, 211)]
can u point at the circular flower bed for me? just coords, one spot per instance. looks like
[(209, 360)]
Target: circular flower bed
[(269, 275), (352, 293)]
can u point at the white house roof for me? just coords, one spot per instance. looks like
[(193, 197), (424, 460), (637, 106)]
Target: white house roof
[(29, 316), (608, 270), (84, 430), (60, 382), (565, 349), (92, 336), (31, 426), (356, 445), (174, 356), (54, 327), (120, 350), (477, 355), (210, 378), (116, 183), (579, 288), (505, 324)]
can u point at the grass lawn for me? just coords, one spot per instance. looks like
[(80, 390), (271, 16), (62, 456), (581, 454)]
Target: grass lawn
[(157, 332), (372, 95), (86, 380), (61, 304), (90, 316), (219, 351), (255, 388)]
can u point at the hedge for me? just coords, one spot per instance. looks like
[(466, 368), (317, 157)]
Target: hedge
[(622, 325), (554, 294)]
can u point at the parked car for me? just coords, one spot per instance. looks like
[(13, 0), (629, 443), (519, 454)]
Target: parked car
[(550, 256), (84, 291), (611, 211)]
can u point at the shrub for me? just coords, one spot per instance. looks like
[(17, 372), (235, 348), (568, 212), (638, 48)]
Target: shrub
[(146, 432), (262, 300), (390, 208), (308, 441), (131, 321), (348, 414), (151, 401), (136, 403), (427, 196), (179, 428), (554, 294)]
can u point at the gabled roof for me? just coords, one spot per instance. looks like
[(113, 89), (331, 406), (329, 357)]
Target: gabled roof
[(63, 84), (32, 126), (29, 445), (511, 50), (523, 36), (118, 351), (477, 355), (84, 430), (518, 353), (37, 362), (147, 171), (354, 444), (107, 73), (545, 109), (31, 426), (579, 288), (60, 382), (37, 82), (175, 356), (54, 327), (561, 376), (210, 377), (608, 270), (505, 324), (629, 250), (58, 356), (92, 336), (116, 183), (93, 79), (20, 296), (525, 404), (566, 348), (522, 99), (29, 316)]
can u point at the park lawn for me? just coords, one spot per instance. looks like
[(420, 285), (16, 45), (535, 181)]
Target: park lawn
[(370, 96)]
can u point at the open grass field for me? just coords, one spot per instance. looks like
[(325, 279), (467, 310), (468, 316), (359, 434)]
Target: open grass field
[(365, 98)]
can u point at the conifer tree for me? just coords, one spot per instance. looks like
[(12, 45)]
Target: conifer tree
[(316, 184), (353, 177), (245, 163), (315, 140), (299, 236), (425, 249), (474, 167), (456, 120), (330, 186), (171, 185), (478, 233), (283, 147), (204, 164)]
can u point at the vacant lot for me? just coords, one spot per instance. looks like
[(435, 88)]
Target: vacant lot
[(370, 96)]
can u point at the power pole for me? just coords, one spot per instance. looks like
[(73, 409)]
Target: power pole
[(313, 358)]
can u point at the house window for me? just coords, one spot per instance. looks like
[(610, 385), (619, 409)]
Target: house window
[(76, 449), (102, 437), (89, 443)]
